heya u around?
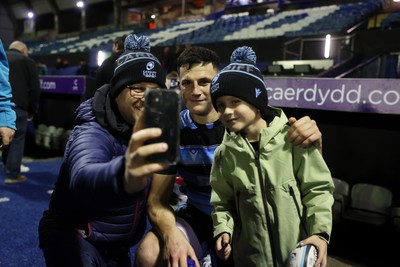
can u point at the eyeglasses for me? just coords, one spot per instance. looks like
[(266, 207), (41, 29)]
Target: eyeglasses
[(137, 91)]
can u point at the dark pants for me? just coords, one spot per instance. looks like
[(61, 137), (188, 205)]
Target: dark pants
[(202, 225), (12, 154), (67, 248)]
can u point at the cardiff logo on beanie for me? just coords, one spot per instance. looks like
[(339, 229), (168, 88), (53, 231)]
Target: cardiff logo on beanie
[(149, 73), (214, 84), (136, 65), (242, 79)]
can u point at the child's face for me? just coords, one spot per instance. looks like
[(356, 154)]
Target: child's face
[(237, 115)]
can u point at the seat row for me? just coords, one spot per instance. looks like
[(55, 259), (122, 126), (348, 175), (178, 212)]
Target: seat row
[(241, 26), (365, 203), (51, 137)]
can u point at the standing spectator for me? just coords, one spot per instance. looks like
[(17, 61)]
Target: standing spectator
[(201, 133), (24, 82), (59, 63), (7, 114), (106, 70), (268, 195), (97, 209)]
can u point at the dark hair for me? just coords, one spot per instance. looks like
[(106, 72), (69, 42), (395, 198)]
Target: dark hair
[(120, 42), (198, 55)]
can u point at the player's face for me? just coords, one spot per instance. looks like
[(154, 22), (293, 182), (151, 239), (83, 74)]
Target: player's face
[(195, 86)]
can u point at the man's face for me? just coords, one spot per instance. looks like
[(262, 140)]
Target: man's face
[(130, 101), (195, 86)]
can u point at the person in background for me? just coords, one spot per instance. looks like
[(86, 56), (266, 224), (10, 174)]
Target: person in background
[(59, 63), (7, 114), (268, 195), (97, 209), (84, 68), (172, 80), (24, 81), (189, 232), (172, 83), (65, 63), (106, 70)]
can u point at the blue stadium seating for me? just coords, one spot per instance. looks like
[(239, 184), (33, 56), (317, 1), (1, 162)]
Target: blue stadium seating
[(241, 26)]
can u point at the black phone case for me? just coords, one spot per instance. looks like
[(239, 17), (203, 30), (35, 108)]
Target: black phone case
[(162, 108)]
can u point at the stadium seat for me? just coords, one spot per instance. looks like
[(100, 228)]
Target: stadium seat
[(370, 204), (341, 196), (275, 69), (395, 218)]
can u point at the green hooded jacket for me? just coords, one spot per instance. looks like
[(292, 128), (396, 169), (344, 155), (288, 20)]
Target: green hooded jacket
[(270, 201)]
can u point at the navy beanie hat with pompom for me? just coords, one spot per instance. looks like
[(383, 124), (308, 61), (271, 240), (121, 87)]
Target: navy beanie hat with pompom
[(242, 79), (136, 65)]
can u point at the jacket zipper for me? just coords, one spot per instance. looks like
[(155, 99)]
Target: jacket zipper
[(265, 201)]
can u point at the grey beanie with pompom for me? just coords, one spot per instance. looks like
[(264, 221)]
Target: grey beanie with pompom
[(136, 65)]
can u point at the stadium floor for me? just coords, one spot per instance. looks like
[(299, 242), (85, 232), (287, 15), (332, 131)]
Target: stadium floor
[(352, 244)]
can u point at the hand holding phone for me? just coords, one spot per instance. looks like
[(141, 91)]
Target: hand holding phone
[(162, 108)]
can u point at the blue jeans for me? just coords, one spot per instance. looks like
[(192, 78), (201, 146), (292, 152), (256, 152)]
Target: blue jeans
[(12, 154)]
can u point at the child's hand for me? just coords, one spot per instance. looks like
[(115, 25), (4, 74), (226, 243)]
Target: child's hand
[(322, 248), (223, 246)]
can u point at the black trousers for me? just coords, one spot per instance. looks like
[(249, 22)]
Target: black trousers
[(66, 247), (203, 227)]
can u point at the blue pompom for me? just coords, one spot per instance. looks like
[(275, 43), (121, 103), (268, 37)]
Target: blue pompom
[(135, 42), (244, 54)]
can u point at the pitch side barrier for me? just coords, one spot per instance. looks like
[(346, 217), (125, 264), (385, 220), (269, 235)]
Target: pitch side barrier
[(354, 95)]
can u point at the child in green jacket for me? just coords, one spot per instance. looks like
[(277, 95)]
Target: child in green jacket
[(269, 196)]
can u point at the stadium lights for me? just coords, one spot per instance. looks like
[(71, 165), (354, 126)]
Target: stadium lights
[(80, 4), (327, 45), (101, 56)]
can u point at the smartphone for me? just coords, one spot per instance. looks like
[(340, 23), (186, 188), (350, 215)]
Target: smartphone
[(162, 108)]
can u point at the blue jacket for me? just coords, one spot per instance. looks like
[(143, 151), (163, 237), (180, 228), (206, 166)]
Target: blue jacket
[(88, 194), (7, 114)]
